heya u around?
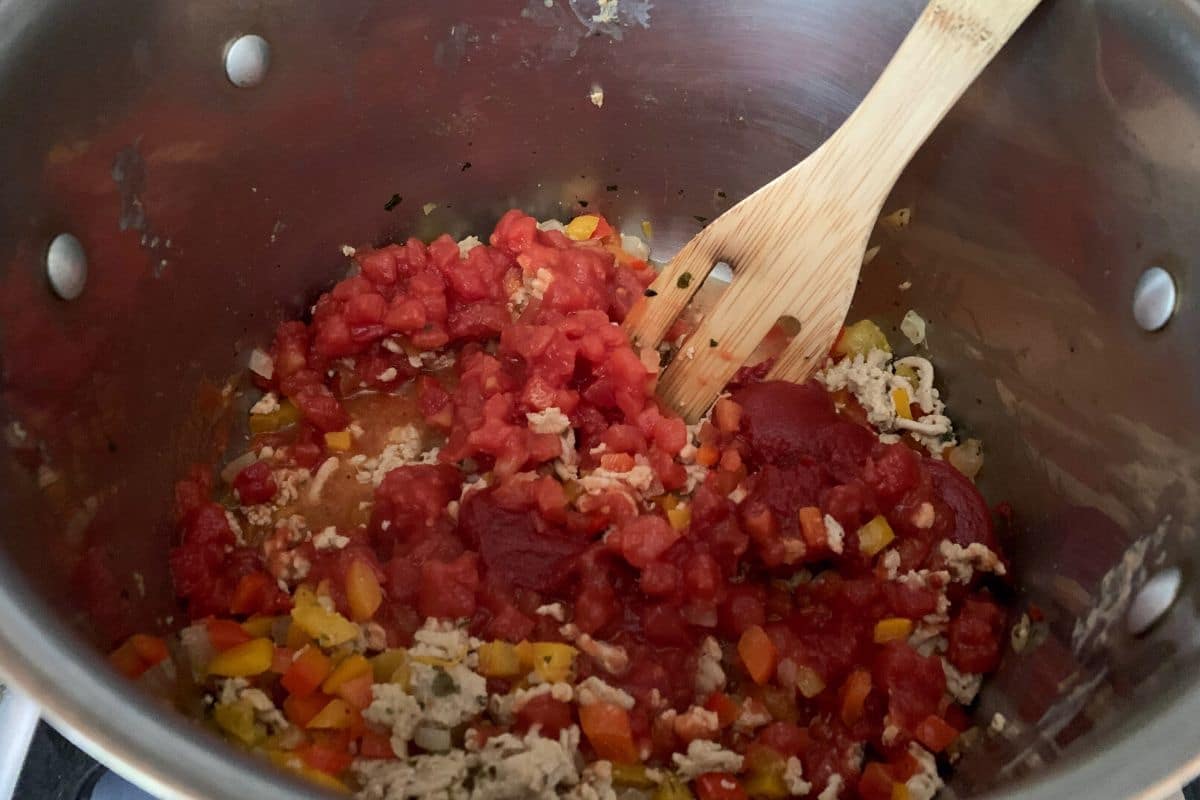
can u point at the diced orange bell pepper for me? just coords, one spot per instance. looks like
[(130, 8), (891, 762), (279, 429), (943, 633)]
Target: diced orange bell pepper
[(812, 527), (607, 728), (151, 649), (244, 660), (854, 695), (127, 661), (363, 592), (758, 653), (251, 593), (900, 791), (707, 455), (935, 733), (308, 670), (723, 705), (225, 633), (338, 441), (351, 667), (727, 415)]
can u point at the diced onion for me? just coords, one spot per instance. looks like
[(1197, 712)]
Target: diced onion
[(197, 648), (434, 740), (231, 470), (967, 457), (635, 246), (261, 363), (913, 327)]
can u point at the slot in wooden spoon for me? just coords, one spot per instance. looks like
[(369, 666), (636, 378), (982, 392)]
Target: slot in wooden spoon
[(797, 243)]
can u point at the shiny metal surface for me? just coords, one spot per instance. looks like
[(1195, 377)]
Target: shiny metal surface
[(208, 212)]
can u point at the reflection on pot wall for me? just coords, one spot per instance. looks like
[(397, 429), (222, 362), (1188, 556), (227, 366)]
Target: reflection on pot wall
[(1062, 175)]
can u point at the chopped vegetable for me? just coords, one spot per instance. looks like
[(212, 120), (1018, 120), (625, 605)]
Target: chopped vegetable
[(363, 593), (727, 415), (935, 733), (758, 654), (902, 403), (499, 660), (327, 627), (854, 695), (391, 666), (237, 720), (607, 727), (859, 339), (719, 786), (707, 455), (338, 441), (913, 327), (725, 707), (809, 682), (351, 667), (632, 775), (680, 517), (283, 417), (892, 628), (812, 527), (672, 788), (309, 669), (244, 660), (225, 633), (582, 227), (553, 660), (875, 535), (336, 715)]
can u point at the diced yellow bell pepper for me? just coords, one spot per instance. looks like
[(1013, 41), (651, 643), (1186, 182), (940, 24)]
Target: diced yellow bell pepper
[(334, 716), (861, 338), (282, 417), (809, 682), (499, 660), (352, 667), (672, 788), (908, 373), (525, 653), (329, 628), (258, 626), (766, 784), (633, 776), (902, 403), (647, 229), (582, 227), (338, 441), (875, 535), (892, 628), (553, 660), (237, 720), (244, 660), (666, 502), (680, 517), (899, 791), (391, 666)]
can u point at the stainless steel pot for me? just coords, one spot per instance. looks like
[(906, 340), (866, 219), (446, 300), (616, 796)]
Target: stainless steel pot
[(1069, 170)]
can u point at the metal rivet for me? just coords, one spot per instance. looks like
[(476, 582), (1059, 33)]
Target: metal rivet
[(66, 266), (246, 60), (1154, 600), (1154, 299)]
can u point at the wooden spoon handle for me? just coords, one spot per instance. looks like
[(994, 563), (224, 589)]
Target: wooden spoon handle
[(950, 44)]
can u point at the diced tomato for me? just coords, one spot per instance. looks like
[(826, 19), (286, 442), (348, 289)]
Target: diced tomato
[(325, 758), (225, 633), (719, 786), (552, 715), (375, 745), (935, 733), (300, 709), (726, 708), (255, 484)]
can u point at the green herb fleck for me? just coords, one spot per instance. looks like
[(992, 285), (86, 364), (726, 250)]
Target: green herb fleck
[(443, 684), (712, 342), (685, 280), (392, 202), (650, 293)]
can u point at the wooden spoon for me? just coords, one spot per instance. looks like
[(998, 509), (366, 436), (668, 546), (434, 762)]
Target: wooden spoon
[(796, 244)]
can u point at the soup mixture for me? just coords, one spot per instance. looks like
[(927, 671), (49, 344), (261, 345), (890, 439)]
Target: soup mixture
[(465, 553)]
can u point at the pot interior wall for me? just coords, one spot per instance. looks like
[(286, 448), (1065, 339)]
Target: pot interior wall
[(209, 212)]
